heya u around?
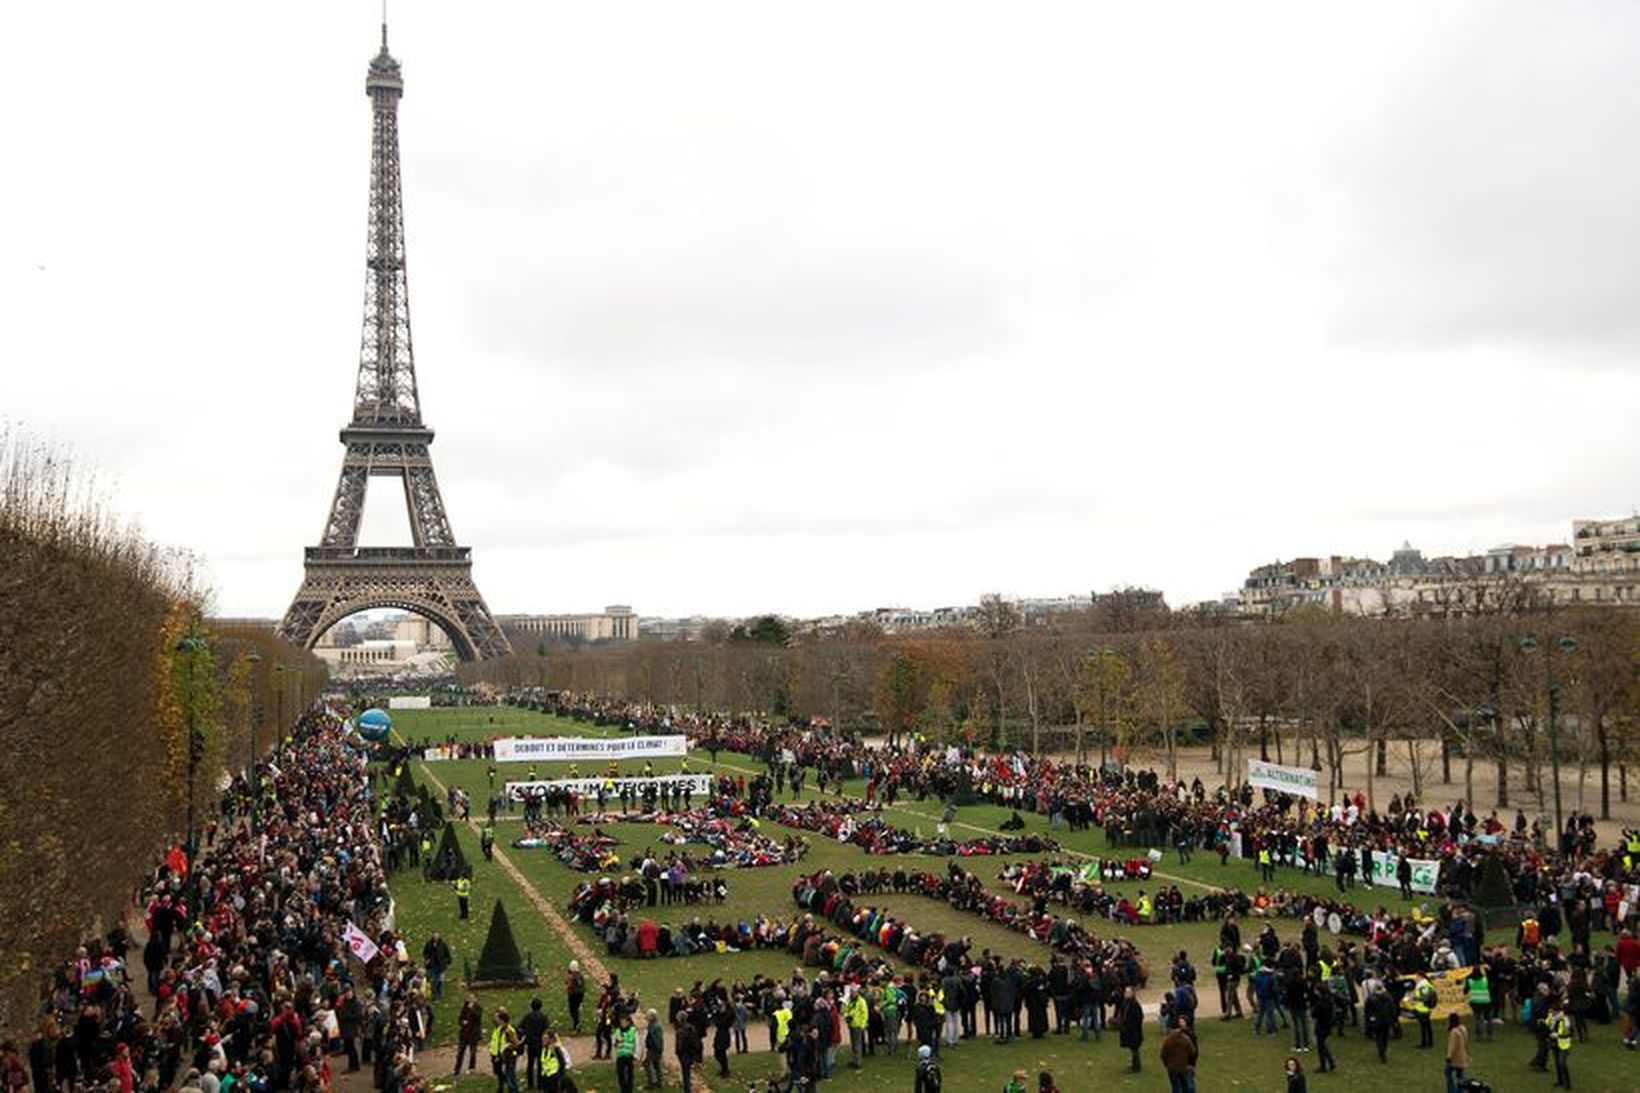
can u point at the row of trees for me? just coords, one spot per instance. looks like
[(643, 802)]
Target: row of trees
[(1315, 688), (105, 665)]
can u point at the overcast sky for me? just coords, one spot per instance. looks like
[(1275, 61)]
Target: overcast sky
[(726, 308)]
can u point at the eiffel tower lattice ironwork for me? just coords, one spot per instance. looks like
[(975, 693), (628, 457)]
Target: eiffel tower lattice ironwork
[(386, 438)]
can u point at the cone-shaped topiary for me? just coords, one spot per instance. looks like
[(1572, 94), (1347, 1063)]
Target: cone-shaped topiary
[(500, 961), (451, 861), (1494, 888)]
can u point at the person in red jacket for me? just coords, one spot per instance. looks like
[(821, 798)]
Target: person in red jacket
[(287, 1037), (1628, 952), (124, 1073)]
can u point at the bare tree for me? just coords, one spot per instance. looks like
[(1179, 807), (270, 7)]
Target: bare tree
[(999, 621), (1159, 692)]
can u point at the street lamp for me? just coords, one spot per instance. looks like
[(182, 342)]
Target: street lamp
[(254, 659), (189, 646), (279, 685), (1565, 644)]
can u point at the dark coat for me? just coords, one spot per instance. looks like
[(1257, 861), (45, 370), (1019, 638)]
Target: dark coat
[(1130, 1018)]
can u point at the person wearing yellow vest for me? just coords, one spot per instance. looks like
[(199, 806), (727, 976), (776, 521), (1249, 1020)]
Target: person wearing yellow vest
[(857, 1013), (504, 1053), (888, 1004), (1560, 1043), (1146, 909), (1479, 989), (1423, 1000), (626, 1053), (782, 1025), (464, 893), (555, 1064), (1266, 864)]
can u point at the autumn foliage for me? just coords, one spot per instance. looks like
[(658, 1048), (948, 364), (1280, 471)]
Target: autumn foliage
[(1466, 688), (93, 707)]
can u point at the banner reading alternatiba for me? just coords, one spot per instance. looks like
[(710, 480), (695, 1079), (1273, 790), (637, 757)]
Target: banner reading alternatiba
[(1299, 781), (588, 787), (550, 749)]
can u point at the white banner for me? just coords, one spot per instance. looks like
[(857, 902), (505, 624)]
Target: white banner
[(359, 942), (588, 787), (1425, 873), (555, 749), (1299, 781), (410, 702)]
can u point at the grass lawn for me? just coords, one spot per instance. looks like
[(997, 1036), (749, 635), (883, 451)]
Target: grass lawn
[(1231, 1057), (425, 906)]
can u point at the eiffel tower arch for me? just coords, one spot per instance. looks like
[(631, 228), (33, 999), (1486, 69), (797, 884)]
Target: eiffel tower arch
[(433, 577)]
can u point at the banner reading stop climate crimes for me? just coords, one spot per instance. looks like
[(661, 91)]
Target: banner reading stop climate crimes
[(589, 787), (551, 749)]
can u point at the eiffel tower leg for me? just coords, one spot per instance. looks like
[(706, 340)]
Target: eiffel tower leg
[(427, 520), (347, 507)]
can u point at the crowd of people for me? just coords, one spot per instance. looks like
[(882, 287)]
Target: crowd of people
[(584, 851), (1139, 808), (1381, 959), (816, 1022), (253, 951), (249, 981), (733, 835), (854, 820), (617, 912)]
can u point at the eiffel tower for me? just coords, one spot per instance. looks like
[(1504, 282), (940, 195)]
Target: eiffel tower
[(386, 438)]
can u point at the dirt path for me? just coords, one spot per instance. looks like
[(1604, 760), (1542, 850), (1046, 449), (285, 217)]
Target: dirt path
[(442, 1060), (590, 963)]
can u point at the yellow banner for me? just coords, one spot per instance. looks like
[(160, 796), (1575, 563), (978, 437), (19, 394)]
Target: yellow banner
[(1451, 994)]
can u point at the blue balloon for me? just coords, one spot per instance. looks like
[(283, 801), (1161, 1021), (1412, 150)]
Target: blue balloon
[(374, 725)]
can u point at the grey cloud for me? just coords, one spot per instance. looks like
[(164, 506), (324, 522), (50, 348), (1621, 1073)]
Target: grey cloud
[(1494, 202)]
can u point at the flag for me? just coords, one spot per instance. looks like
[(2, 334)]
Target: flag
[(359, 942)]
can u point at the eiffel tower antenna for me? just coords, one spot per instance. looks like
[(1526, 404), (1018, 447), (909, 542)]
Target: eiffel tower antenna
[(387, 438)]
